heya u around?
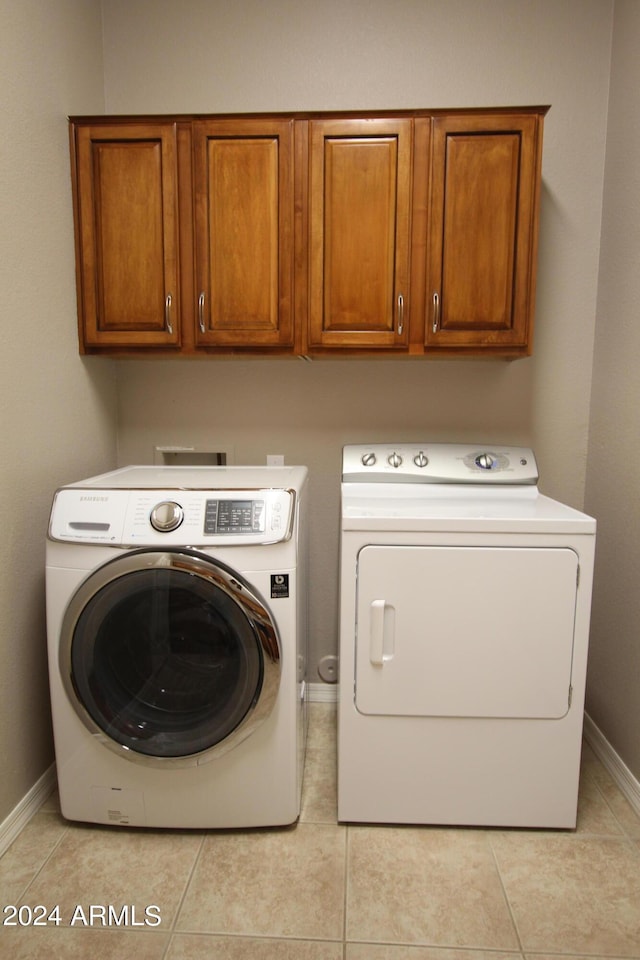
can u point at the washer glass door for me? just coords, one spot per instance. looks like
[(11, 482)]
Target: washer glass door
[(169, 655)]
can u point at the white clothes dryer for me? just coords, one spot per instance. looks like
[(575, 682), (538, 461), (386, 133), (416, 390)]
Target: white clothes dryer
[(464, 621), (177, 626)]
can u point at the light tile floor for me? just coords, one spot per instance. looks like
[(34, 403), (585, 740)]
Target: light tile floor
[(324, 891)]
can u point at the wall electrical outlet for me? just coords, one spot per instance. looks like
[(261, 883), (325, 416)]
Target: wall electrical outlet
[(275, 460)]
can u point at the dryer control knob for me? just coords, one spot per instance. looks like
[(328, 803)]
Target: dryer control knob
[(395, 460), (421, 459), (166, 516), (368, 460), (485, 461)]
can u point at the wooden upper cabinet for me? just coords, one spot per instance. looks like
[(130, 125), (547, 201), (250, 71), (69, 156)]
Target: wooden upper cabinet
[(127, 240), (407, 233), (243, 189), (482, 240), (359, 228)]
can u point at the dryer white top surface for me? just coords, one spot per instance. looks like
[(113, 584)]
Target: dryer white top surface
[(451, 507), (198, 478)]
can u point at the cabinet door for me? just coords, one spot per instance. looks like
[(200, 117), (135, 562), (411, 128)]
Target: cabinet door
[(483, 232), (359, 228), (126, 196), (243, 180)]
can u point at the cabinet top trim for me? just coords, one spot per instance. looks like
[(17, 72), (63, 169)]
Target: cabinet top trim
[(540, 110)]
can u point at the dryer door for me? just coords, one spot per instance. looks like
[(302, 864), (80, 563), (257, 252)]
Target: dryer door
[(465, 631), (169, 655)]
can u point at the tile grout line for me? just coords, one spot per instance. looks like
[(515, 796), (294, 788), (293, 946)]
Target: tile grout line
[(172, 930), (347, 845), (37, 873), (504, 893), (624, 835)]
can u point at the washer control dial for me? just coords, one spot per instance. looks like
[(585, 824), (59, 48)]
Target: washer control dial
[(421, 459), (394, 460), (166, 516), (368, 459)]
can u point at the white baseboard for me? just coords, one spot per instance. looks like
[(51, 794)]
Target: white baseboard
[(323, 692), (619, 771), (25, 809)]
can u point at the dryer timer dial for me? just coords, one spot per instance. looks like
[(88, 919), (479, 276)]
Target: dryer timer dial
[(166, 516), (486, 461)]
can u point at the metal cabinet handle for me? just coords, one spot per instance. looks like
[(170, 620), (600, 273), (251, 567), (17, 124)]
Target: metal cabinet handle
[(201, 311), (400, 314), (167, 314), (436, 312)]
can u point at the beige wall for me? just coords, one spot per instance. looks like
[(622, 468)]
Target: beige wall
[(59, 417), (249, 56), (613, 488), (58, 413)]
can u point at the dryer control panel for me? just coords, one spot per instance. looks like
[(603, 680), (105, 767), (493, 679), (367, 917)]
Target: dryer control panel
[(438, 463), (158, 517)]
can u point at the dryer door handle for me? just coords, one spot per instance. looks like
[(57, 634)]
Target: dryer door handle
[(381, 632)]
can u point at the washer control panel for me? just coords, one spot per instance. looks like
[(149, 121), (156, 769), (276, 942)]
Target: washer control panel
[(438, 463), (156, 517)]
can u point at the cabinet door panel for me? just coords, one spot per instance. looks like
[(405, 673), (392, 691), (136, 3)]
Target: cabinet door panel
[(359, 230), (482, 189), (244, 230), (483, 232), (128, 235)]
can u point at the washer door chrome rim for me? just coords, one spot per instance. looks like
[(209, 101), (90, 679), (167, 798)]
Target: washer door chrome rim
[(169, 657)]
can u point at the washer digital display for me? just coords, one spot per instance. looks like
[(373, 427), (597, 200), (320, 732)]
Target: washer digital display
[(234, 516)]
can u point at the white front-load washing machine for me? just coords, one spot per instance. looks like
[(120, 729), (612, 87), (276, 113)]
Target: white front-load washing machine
[(465, 604), (176, 619)]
